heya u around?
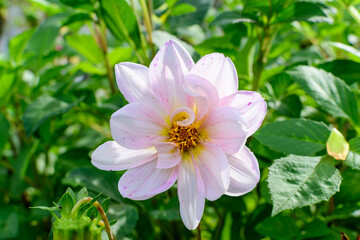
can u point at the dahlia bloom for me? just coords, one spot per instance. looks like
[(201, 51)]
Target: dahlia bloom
[(185, 123)]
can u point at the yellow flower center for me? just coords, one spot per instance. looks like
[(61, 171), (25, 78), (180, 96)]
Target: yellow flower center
[(185, 137)]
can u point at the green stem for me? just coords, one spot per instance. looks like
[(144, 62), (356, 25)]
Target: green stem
[(142, 38), (148, 24), (101, 36), (198, 232)]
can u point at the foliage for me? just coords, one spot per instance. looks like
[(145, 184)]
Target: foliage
[(58, 92)]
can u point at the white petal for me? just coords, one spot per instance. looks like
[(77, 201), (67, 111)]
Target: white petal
[(214, 168), (251, 105), (204, 94), (167, 74), (113, 157), (146, 181), (244, 172), (191, 192), (138, 125), (220, 71), (225, 127), (168, 155)]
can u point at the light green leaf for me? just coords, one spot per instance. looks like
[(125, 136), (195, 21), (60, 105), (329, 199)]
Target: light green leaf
[(294, 136), (7, 78), (181, 9), (17, 45), (331, 93), (41, 109), (86, 46), (298, 181), (44, 37), (349, 49), (353, 158)]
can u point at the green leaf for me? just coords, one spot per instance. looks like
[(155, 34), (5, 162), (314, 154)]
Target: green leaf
[(86, 46), (127, 217), (353, 158), (83, 193), (120, 19), (294, 136), (10, 226), (350, 189), (44, 37), (290, 106), (303, 11), (105, 182), (316, 228), (17, 45), (7, 78), (67, 203), (349, 49), (298, 181), (41, 109), (182, 9), (80, 4), (230, 17), (49, 209), (331, 93), (4, 132), (345, 69), (279, 227)]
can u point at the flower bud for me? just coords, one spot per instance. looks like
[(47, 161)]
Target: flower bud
[(337, 146)]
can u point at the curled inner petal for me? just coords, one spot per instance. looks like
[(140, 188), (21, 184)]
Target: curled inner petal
[(183, 116)]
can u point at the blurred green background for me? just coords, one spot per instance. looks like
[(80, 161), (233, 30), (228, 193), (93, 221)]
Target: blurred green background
[(57, 93)]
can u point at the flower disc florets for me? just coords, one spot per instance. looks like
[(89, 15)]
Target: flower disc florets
[(185, 137)]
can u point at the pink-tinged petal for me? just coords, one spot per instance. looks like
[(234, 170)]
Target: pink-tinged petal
[(251, 105), (167, 74), (204, 94), (113, 157), (191, 192), (138, 126), (168, 155), (220, 71), (214, 168), (244, 172), (225, 127), (146, 181)]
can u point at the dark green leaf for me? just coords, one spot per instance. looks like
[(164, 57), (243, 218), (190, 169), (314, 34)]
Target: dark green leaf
[(105, 182), (347, 70), (229, 17), (298, 181), (83, 193), (4, 132), (353, 158), (294, 136), (331, 93), (290, 106), (41, 109), (18, 44), (303, 11), (120, 19), (279, 227)]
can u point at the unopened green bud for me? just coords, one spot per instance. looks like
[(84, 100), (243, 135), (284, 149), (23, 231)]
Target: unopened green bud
[(337, 146)]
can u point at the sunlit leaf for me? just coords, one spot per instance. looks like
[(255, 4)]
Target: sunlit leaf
[(298, 181)]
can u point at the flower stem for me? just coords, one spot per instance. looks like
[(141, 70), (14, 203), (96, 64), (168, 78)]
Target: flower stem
[(198, 232)]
